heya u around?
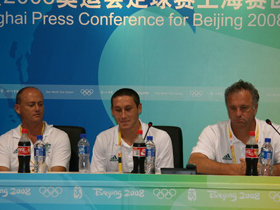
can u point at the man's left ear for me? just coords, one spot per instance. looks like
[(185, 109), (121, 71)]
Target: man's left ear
[(17, 109), (112, 112), (256, 107), (140, 108)]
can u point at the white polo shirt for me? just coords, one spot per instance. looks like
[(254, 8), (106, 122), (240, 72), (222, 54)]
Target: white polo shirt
[(214, 142), (58, 150), (106, 149)]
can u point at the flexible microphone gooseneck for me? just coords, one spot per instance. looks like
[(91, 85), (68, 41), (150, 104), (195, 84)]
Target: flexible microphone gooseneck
[(150, 125), (269, 123)]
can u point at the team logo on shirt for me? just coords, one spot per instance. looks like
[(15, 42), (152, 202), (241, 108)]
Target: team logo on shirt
[(114, 158), (227, 157), (48, 147), (15, 151)]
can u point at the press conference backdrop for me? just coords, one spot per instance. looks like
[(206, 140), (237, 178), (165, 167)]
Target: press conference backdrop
[(178, 55)]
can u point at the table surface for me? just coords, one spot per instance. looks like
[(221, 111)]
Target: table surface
[(137, 191)]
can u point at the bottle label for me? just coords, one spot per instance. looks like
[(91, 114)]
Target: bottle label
[(150, 152), (39, 152), (24, 151), (139, 151), (267, 155), (83, 150), (251, 153)]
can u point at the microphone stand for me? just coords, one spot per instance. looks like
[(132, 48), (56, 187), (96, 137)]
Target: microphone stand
[(269, 123), (150, 125)]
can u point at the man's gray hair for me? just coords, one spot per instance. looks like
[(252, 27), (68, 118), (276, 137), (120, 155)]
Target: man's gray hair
[(241, 85)]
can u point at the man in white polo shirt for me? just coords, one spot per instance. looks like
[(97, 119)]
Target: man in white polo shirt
[(126, 107), (30, 107), (221, 147)]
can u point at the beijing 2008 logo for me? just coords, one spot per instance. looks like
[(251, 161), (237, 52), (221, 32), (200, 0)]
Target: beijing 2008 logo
[(50, 191), (164, 193), (275, 196), (87, 92), (192, 194)]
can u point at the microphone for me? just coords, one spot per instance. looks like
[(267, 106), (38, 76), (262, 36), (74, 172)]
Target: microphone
[(269, 123), (150, 125)]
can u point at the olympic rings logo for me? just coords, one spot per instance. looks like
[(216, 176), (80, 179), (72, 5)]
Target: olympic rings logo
[(87, 92), (164, 193), (50, 191), (275, 196), (196, 93)]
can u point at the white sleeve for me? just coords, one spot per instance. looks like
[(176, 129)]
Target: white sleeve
[(61, 151), (205, 144), (276, 150), (4, 152), (98, 160), (164, 152)]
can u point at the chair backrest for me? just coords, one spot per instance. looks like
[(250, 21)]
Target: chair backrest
[(176, 136), (74, 136)]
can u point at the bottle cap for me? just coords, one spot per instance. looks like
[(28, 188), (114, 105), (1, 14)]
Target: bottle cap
[(83, 135), (251, 133), (267, 140), (139, 132), (39, 137), (24, 130), (149, 138)]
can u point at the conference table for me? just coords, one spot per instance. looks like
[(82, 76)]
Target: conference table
[(137, 191)]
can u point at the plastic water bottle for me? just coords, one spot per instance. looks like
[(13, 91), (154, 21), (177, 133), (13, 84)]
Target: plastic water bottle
[(83, 147), (40, 156), (266, 158), (24, 153), (150, 160)]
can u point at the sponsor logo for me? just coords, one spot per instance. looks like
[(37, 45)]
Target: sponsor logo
[(50, 191), (114, 158), (87, 92), (164, 193), (23, 151), (139, 151), (251, 153), (275, 196), (227, 157)]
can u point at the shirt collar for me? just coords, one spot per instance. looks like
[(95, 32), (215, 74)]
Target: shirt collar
[(143, 125), (234, 137), (47, 131)]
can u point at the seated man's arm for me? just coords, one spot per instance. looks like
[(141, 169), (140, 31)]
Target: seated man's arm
[(164, 152), (276, 170), (208, 166), (4, 155), (98, 160), (61, 152), (276, 155), (204, 154), (58, 168), (3, 168)]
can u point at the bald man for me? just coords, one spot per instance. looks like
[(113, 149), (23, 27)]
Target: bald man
[(30, 107)]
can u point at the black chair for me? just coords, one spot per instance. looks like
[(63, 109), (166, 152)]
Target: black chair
[(176, 136), (74, 136)]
